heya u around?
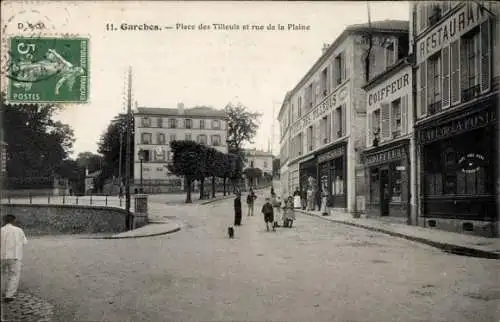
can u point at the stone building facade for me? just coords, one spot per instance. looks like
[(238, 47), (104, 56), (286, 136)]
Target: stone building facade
[(456, 49), (323, 119), (156, 127)]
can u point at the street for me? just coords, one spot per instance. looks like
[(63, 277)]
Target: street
[(316, 271)]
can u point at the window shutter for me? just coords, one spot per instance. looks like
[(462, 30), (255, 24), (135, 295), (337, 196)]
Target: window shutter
[(328, 72), (344, 116), (422, 98), (464, 81), (346, 65), (335, 125), (455, 72), (445, 61), (386, 120), (422, 16), (404, 114), (333, 131), (485, 56), (334, 75), (343, 64), (317, 135), (369, 128)]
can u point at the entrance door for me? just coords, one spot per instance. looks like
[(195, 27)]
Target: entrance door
[(384, 192)]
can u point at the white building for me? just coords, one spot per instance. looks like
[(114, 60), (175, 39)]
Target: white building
[(259, 159), (156, 127), (323, 118)]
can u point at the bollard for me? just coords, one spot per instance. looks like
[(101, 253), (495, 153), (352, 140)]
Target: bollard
[(91, 199), (106, 200), (64, 198), (31, 201)]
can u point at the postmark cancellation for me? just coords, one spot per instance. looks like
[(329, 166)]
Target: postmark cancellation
[(48, 70)]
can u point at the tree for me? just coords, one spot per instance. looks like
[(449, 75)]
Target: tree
[(36, 144), (109, 147), (185, 162), (252, 174), (242, 126)]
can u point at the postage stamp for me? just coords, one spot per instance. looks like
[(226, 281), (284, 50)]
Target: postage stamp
[(48, 70)]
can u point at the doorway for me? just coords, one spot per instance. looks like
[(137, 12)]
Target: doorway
[(384, 192)]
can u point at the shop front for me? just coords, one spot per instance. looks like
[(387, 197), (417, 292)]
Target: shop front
[(332, 171), (388, 169), (307, 169), (459, 170)]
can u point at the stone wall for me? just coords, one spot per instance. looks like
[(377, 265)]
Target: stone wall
[(67, 219)]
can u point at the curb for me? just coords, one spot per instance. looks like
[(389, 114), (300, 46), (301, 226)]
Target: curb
[(449, 248), (171, 231)]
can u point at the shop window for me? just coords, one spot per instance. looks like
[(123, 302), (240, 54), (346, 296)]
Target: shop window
[(337, 178), (395, 183)]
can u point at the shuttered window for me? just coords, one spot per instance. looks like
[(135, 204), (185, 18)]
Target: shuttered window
[(455, 72), (422, 16), (421, 95), (434, 84), (386, 120), (446, 76), (485, 56), (404, 115)]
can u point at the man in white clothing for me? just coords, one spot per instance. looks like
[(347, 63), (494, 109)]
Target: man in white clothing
[(13, 241)]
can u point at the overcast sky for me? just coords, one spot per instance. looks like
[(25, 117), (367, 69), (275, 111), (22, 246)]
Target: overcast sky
[(195, 67)]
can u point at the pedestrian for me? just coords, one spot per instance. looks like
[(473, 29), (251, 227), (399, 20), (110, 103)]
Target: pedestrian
[(297, 199), (251, 202), (237, 209), (267, 210), (13, 241), (276, 201), (288, 213)]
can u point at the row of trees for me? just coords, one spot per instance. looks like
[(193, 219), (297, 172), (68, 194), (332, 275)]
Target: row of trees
[(194, 161)]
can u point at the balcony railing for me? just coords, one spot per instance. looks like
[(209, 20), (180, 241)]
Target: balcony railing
[(435, 107), (470, 93)]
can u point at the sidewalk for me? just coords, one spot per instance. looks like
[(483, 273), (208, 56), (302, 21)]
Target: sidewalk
[(27, 308), (460, 244)]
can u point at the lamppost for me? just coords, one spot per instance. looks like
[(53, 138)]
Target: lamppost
[(141, 159)]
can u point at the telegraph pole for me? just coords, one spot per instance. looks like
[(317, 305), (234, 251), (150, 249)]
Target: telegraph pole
[(128, 148)]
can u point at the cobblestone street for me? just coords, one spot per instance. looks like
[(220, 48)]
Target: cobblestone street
[(316, 271)]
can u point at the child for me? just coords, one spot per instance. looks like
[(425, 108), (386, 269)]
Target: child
[(289, 213), (276, 201), (268, 212)]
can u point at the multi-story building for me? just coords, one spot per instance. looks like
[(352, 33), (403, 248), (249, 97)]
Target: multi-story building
[(259, 159), (456, 46), (323, 134), (156, 127), (390, 146)]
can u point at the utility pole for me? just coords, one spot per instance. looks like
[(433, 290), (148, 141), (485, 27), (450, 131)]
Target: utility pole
[(128, 153)]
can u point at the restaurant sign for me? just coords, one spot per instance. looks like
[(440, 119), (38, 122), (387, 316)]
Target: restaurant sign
[(458, 126), (332, 154), (328, 104), (385, 156)]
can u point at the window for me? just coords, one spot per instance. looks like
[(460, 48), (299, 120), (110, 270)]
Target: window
[(395, 182), (202, 139), (159, 154), (202, 124), (309, 95), (187, 136), (172, 123), (215, 124), (433, 13), (337, 171), (159, 122), (434, 84), (396, 117), (188, 123), (324, 84), (146, 138), (299, 103), (216, 140), (325, 130), (339, 119), (147, 155), (146, 122), (390, 55), (471, 65), (172, 137), (265, 164), (161, 138), (376, 122), (310, 138), (339, 69)]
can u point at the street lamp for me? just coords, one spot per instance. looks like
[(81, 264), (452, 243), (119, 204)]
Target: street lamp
[(141, 159)]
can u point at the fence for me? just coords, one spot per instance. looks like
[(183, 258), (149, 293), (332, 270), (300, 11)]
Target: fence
[(91, 200)]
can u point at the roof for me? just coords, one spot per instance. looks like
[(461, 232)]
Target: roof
[(384, 26), (193, 111)]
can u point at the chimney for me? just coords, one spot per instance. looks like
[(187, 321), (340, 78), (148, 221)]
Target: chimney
[(180, 108), (325, 48)]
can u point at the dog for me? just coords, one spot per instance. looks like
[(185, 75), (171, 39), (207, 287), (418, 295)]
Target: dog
[(230, 232)]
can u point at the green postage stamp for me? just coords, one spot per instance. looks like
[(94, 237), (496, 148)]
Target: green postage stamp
[(48, 70)]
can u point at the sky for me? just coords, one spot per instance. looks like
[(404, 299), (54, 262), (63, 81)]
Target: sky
[(196, 67)]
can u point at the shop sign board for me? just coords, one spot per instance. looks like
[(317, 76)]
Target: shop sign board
[(385, 156), (332, 154)]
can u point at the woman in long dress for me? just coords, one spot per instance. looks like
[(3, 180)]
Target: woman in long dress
[(297, 199)]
